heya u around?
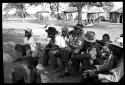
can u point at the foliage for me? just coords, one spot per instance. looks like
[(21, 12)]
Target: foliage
[(79, 6), (20, 7)]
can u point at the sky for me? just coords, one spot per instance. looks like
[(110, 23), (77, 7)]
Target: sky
[(32, 10)]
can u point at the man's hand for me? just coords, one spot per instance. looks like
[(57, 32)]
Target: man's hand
[(91, 73), (76, 51)]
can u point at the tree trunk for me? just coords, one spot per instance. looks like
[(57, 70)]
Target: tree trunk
[(79, 7), (23, 15), (52, 10), (7, 15), (58, 10)]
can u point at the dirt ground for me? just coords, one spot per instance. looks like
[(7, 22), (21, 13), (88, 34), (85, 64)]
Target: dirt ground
[(13, 33)]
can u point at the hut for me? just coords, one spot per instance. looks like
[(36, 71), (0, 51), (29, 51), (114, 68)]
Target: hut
[(116, 15), (70, 13), (95, 12), (84, 13), (43, 15)]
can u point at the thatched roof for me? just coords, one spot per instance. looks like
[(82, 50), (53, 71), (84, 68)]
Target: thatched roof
[(96, 9), (71, 9), (120, 10), (84, 10), (43, 11)]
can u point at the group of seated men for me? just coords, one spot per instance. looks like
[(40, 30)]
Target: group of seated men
[(77, 51), (72, 52)]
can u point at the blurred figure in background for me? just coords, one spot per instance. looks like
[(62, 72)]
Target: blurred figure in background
[(105, 40)]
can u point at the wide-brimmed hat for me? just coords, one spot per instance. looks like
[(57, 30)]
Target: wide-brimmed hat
[(28, 30), (65, 29), (51, 30), (90, 36), (118, 42)]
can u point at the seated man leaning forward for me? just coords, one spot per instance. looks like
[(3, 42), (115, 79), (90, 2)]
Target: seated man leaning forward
[(54, 48), (89, 54), (29, 45), (63, 55)]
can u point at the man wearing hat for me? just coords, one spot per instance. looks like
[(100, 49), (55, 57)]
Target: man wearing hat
[(29, 44), (76, 39), (113, 69), (51, 34), (28, 50), (65, 33), (28, 39), (54, 49), (75, 42), (89, 53)]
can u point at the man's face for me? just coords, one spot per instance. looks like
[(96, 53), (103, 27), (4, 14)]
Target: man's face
[(50, 35), (105, 38), (27, 33), (64, 33)]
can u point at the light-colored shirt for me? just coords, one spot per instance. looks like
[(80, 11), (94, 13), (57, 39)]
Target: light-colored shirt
[(31, 42), (60, 41)]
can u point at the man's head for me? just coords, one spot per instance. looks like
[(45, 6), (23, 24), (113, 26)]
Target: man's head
[(64, 31), (51, 32), (90, 37), (28, 32), (106, 37)]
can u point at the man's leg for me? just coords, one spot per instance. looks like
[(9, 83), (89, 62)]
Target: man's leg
[(45, 58), (75, 64), (65, 57)]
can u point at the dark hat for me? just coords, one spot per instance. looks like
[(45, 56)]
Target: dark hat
[(78, 26), (81, 25), (51, 30), (90, 36), (72, 32)]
